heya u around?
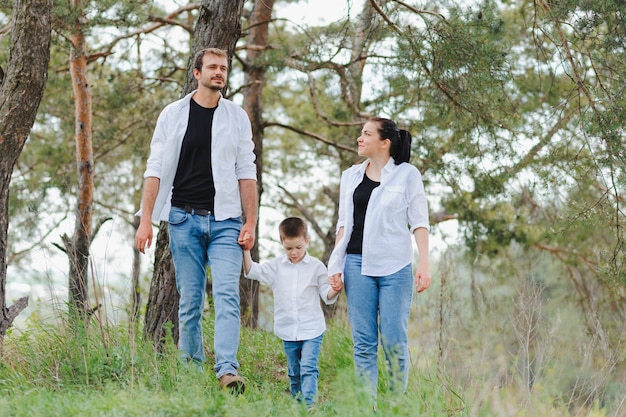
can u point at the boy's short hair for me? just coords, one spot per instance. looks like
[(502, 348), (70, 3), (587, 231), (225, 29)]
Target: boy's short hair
[(292, 227)]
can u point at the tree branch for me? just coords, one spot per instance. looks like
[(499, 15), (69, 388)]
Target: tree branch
[(437, 83), (15, 256), (98, 225), (568, 53), (545, 140), (160, 22), (302, 209), (442, 216), (319, 111), (10, 314), (313, 135), (421, 11)]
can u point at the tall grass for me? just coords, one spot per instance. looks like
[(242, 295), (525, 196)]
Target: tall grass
[(110, 371), (504, 339)]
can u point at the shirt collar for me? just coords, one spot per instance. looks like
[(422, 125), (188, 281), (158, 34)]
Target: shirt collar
[(307, 258), (187, 97), (386, 169)]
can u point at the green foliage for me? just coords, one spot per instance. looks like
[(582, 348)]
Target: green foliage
[(461, 68), (107, 14), (502, 336), (54, 371), (517, 111), (129, 86), (516, 108)]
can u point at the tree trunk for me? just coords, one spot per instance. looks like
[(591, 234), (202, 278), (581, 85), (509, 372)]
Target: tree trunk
[(20, 94), (360, 43), (366, 24), (136, 288), (78, 246), (218, 26), (162, 307), (253, 104)]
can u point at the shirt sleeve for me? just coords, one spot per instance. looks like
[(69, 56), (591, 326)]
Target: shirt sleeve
[(157, 144), (323, 285), (264, 272), (341, 219), (418, 203), (246, 169)]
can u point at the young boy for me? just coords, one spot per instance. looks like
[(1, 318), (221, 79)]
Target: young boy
[(298, 281)]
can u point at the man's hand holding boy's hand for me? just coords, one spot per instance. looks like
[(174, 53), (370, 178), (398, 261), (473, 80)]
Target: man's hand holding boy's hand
[(246, 239), (336, 283)]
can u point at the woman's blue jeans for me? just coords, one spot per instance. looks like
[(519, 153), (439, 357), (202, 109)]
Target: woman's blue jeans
[(198, 242), (379, 305), (302, 357)]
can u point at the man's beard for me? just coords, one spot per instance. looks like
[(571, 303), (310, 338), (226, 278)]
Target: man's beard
[(212, 86)]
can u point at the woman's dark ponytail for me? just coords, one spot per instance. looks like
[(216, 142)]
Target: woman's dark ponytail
[(400, 139), (402, 151)]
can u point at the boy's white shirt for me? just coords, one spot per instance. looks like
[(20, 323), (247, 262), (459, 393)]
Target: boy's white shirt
[(297, 291)]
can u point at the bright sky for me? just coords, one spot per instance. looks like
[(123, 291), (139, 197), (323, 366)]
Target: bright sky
[(313, 12), (308, 12)]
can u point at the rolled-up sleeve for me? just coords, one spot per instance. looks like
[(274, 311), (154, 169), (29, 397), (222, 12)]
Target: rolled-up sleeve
[(417, 203), (155, 159), (246, 169), (341, 218)]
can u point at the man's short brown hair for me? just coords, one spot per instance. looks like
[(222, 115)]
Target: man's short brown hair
[(197, 60)]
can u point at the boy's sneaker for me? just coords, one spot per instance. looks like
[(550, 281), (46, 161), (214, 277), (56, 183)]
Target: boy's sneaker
[(234, 383)]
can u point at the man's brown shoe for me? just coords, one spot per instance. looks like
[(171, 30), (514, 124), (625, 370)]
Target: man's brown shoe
[(234, 383)]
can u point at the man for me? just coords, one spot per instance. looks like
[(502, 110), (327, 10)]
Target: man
[(199, 174)]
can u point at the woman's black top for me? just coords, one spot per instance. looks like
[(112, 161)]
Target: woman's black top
[(361, 198)]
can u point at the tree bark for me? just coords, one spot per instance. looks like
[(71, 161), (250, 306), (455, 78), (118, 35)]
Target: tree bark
[(162, 307), (254, 81), (218, 26), (20, 94), (79, 245), (135, 273)]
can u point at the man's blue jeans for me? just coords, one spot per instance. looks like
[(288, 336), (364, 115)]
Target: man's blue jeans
[(197, 242), (379, 304), (302, 357)]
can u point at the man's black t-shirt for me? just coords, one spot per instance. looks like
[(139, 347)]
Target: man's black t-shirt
[(193, 183)]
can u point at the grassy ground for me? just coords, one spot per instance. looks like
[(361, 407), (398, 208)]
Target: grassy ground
[(506, 338), (112, 372), (461, 365)]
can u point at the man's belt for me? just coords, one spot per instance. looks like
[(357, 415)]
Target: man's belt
[(191, 210)]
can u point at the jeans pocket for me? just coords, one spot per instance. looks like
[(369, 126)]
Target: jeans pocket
[(177, 217)]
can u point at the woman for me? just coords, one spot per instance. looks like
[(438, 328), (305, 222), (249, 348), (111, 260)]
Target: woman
[(382, 204)]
